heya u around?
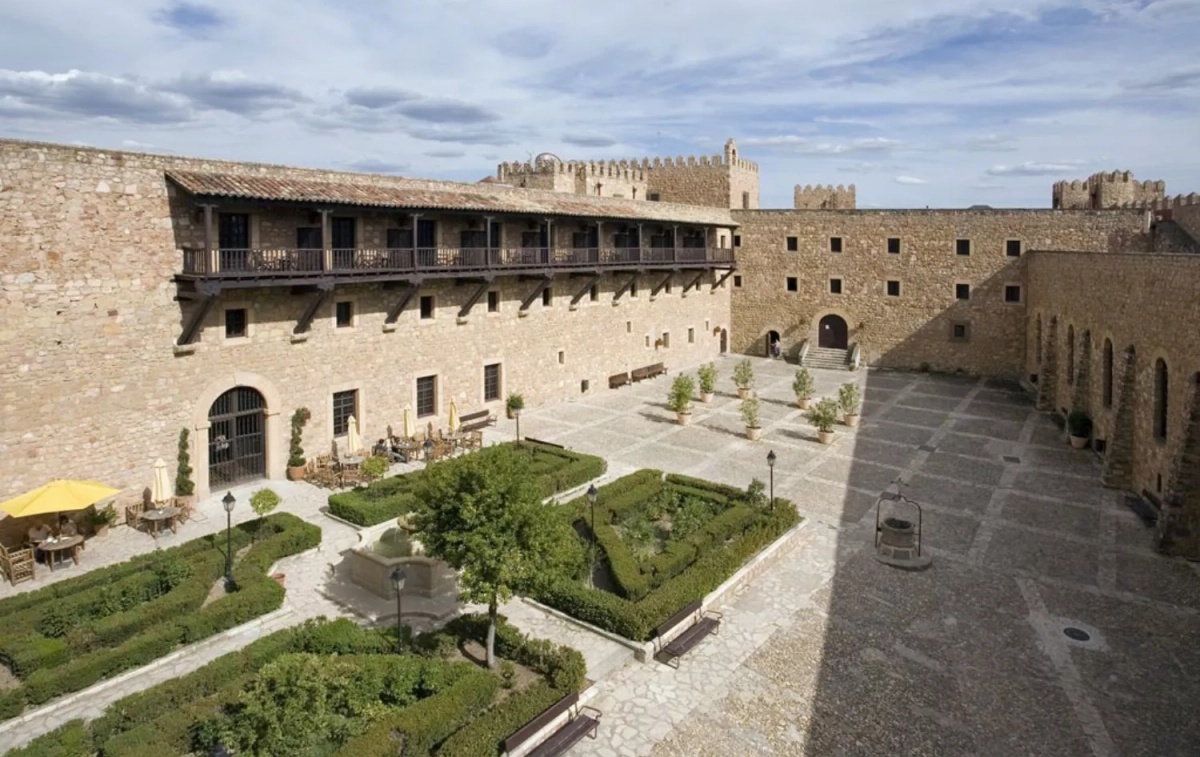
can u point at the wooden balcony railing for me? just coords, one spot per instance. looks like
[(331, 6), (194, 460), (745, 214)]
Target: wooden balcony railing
[(290, 263)]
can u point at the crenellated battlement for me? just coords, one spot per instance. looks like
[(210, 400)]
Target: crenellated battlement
[(1106, 189), (1165, 203), (825, 197)]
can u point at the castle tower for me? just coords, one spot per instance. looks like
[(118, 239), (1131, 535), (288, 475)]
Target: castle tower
[(824, 197), (1104, 191)]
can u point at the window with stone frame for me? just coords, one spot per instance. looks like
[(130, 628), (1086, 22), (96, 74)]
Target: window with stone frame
[(493, 302), (960, 331), (547, 297), (793, 244), (491, 382), (745, 200), (835, 286), (654, 196), (236, 323), (345, 404), (737, 281), (691, 335), (962, 291), (835, 244), (893, 245), (1012, 293), (594, 293), (427, 307), (793, 284), (893, 289), (344, 314), (426, 396), (737, 240), (1012, 248), (962, 246), (1161, 399)]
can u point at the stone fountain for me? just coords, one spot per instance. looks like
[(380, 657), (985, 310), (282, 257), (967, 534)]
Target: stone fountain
[(390, 545)]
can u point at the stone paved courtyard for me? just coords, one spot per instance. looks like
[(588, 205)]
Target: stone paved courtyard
[(829, 652)]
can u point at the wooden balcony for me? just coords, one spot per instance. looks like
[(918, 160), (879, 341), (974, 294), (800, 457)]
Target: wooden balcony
[(274, 267)]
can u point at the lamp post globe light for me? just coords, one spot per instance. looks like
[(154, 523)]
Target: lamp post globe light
[(771, 467), (428, 449), (228, 501), (517, 418), (592, 493), (398, 578)]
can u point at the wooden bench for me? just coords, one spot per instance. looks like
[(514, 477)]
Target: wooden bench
[(531, 440), (477, 421), (618, 380), (708, 622), (581, 721), (658, 369), (638, 374)]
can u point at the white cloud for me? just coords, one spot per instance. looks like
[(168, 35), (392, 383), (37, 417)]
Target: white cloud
[(909, 180), (1037, 169)]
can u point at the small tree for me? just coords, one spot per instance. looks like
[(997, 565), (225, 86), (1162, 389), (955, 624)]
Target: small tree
[(802, 385), (743, 374), (184, 487), (296, 455), (263, 502), (682, 389), (1079, 424), (824, 414), (483, 515), (756, 494), (516, 401), (750, 412), (849, 397), (708, 378)]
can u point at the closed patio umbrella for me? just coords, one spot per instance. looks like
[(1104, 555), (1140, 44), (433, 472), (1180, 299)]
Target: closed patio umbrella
[(353, 441), (410, 430), (161, 491), (56, 497), (454, 424)]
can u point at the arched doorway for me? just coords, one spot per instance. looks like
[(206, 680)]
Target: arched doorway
[(724, 341), (237, 448), (833, 332), (771, 341)]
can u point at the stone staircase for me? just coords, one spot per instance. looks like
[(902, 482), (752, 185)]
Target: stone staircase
[(828, 358)]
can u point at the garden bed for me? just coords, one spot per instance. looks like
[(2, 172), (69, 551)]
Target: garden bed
[(666, 541), (555, 470), (333, 689), (75, 633)]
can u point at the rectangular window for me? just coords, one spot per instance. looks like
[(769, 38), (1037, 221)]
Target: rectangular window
[(960, 331), (426, 396), (546, 297), (793, 244), (1012, 293), (737, 282), (893, 288), (654, 196), (562, 357), (745, 200), (628, 327), (633, 289), (309, 238), (962, 291), (235, 323), (666, 339), (835, 244), (345, 404), (345, 314), (594, 293), (491, 382), (893, 245), (493, 302), (835, 286), (427, 306), (737, 240), (691, 335), (668, 289), (1012, 248), (793, 284), (962, 246)]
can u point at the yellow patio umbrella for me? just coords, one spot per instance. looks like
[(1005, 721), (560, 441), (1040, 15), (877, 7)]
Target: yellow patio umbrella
[(161, 491), (409, 429), (454, 424), (57, 497), (353, 441)]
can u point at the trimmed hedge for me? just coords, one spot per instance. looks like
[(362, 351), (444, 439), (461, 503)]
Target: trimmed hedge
[(484, 736), (563, 666), (104, 645), (70, 740)]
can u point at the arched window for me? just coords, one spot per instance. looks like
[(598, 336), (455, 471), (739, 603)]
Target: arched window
[(1038, 336), (1160, 399), (1108, 373), (1070, 354)]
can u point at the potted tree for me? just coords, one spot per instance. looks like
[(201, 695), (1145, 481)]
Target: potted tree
[(824, 415), (708, 381), (802, 385), (100, 520), (743, 376), (296, 461), (680, 398), (185, 488), (849, 399), (1079, 427), (750, 416), (515, 402)]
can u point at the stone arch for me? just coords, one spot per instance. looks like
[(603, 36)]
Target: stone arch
[(273, 433)]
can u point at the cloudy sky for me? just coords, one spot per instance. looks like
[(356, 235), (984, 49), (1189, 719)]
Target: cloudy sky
[(918, 102)]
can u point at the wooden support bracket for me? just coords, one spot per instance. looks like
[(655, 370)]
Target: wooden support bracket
[(324, 292), (537, 291), (474, 298)]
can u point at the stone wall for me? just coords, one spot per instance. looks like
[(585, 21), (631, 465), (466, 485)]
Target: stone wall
[(1188, 218), (824, 197), (1142, 308), (1105, 191), (913, 329), (91, 386)]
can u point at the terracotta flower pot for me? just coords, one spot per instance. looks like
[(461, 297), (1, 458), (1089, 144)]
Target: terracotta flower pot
[(684, 418), (509, 412), (1079, 442), (706, 397), (851, 419), (101, 531), (804, 403), (742, 392), (296, 472), (825, 437), (753, 434)]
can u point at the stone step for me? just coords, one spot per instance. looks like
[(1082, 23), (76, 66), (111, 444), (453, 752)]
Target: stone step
[(828, 358)]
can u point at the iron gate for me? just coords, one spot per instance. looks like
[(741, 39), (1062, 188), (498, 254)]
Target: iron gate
[(236, 439)]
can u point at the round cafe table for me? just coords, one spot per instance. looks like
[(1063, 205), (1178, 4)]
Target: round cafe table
[(55, 547), (158, 515)]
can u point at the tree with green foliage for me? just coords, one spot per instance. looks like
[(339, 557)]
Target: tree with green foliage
[(483, 515), (184, 487), (296, 457)]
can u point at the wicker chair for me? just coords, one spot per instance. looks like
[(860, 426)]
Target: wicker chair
[(18, 564)]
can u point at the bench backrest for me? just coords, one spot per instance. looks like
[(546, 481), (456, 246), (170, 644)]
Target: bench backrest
[(656, 368), (531, 440), (474, 416), (533, 726), (640, 372), (678, 618)]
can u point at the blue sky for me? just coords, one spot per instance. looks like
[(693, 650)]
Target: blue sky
[(945, 103)]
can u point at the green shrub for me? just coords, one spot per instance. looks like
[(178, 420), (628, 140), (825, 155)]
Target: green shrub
[(184, 486), (25, 654), (70, 740), (375, 467), (708, 377), (680, 396), (264, 501), (484, 736), (563, 666), (849, 397)]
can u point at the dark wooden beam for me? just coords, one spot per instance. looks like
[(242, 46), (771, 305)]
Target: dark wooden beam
[(406, 295), (537, 291), (721, 280), (324, 291), (591, 282), (200, 310), (666, 280), (694, 282), (483, 287), (625, 287)]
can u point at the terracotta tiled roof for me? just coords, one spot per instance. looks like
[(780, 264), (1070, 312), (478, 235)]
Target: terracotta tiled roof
[(442, 195)]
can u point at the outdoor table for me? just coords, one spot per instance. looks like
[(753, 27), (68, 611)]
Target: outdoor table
[(352, 460), (158, 515), (54, 547)]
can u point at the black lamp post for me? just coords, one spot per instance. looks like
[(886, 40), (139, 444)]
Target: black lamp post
[(517, 417), (428, 449), (592, 493), (771, 467), (228, 500), (398, 578)]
